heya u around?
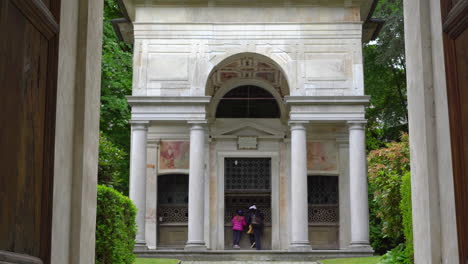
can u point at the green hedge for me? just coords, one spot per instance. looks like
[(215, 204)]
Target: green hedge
[(115, 227), (405, 206)]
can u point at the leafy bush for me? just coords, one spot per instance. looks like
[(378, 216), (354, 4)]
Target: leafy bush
[(405, 206), (112, 162), (386, 168), (396, 256), (115, 227)]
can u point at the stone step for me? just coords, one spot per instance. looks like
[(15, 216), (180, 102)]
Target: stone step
[(252, 256)]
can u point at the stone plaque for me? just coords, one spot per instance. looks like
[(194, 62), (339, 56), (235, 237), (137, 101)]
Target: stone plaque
[(247, 142)]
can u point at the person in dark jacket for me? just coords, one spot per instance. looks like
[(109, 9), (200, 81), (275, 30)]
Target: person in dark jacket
[(255, 219)]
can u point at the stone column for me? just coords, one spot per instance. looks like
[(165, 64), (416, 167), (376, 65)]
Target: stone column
[(358, 186), (138, 176), (299, 208), (342, 141), (196, 223)]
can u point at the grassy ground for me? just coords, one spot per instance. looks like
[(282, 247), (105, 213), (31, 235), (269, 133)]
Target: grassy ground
[(370, 260), (155, 261)]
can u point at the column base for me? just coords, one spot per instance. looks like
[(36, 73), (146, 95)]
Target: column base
[(300, 246), (140, 245), (195, 246), (360, 246)]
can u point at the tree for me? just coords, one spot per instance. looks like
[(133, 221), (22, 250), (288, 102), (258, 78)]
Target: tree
[(116, 83), (385, 77), (386, 167), (112, 162)]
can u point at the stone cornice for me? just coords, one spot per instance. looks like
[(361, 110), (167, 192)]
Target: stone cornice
[(364, 5), (327, 100), (167, 100)]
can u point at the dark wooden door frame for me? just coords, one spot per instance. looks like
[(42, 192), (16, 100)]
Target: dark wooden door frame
[(41, 18), (455, 23)]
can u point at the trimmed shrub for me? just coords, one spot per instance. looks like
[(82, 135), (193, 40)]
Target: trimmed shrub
[(405, 206), (115, 227)]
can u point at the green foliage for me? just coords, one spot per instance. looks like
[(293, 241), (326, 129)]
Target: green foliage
[(405, 206), (396, 256), (391, 39), (116, 83), (379, 242), (386, 166), (387, 110), (385, 78), (403, 253), (115, 227), (112, 162)]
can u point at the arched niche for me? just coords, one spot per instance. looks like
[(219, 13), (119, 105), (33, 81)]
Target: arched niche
[(247, 66)]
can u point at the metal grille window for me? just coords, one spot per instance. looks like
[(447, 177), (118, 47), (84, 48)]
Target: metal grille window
[(322, 196), (247, 174), (247, 182), (322, 190), (234, 202), (248, 102), (173, 197)]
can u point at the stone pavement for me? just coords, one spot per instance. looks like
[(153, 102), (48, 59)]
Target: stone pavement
[(248, 262)]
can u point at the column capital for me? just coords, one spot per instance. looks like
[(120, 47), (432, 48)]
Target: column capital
[(197, 124), (357, 124), (139, 125), (297, 124)]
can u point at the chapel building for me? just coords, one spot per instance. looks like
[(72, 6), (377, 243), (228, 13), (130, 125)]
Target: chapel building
[(240, 102)]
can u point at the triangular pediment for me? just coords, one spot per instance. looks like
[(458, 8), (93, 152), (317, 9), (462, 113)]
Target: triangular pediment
[(249, 129)]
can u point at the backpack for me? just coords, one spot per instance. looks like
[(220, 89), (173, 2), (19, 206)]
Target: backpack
[(256, 220)]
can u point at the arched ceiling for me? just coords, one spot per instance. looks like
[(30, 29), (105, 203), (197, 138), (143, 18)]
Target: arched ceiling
[(247, 67)]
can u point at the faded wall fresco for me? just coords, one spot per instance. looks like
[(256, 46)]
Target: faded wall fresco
[(322, 156), (174, 155)]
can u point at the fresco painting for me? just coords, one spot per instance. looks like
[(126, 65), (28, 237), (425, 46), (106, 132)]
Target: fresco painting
[(321, 156), (174, 155)]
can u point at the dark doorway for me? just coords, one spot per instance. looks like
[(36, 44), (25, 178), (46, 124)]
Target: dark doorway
[(323, 211), (247, 182), (248, 101), (172, 210)]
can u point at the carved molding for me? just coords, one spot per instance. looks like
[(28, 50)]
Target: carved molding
[(12, 257), (249, 67)]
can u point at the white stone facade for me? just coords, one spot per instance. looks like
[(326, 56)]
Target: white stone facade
[(307, 55), (433, 194)]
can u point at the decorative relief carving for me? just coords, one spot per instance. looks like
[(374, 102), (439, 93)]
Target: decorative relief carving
[(249, 67)]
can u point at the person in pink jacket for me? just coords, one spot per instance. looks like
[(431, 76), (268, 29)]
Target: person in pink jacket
[(238, 225)]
